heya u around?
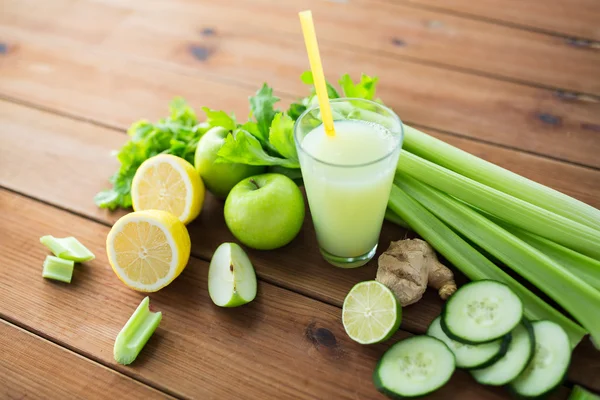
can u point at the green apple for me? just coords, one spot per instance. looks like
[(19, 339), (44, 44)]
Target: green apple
[(219, 178), (231, 277), (265, 211)]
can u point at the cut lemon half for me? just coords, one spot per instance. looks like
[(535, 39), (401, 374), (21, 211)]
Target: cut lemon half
[(148, 249), (371, 313), (168, 183)]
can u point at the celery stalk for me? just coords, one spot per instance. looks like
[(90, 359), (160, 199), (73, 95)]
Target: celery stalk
[(579, 393), (446, 155), (58, 269), (578, 264), (470, 262), (515, 211), (572, 293), (394, 218), (136, 332), (67, 248)]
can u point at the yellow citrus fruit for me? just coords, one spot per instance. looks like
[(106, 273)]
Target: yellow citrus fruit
[(168, 183), (148, 249)]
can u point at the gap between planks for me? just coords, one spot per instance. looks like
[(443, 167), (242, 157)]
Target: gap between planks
[(12, 324), (591, 42), (290, 96)]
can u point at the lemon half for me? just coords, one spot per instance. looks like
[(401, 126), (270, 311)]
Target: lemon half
[(169, 183), (148, 249)]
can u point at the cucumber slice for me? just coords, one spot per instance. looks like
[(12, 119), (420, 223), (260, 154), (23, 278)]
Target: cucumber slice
[(481, 312), (414, 367), (520, 351), (469, 355), (549, 364)]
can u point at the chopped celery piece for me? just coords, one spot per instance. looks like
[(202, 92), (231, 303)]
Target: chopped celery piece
[(58, 269), (515, 211), (136, 332), (579, 393), (457, 160), (559, 284), (67, 248), (471, 262)]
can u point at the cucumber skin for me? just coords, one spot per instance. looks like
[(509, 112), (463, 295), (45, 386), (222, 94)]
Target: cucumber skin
[(506, 339), (503, 349), (559, 382), (393, 395), (529, 329), (463, 340)]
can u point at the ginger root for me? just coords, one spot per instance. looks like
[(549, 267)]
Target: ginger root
[(408, 266)]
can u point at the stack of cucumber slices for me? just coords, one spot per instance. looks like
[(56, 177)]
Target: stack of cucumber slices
[(481, 329)]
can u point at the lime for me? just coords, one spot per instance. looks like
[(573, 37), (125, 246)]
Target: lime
[(371, 313)]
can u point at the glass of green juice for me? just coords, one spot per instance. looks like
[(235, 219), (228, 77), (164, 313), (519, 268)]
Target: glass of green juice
[(348, 176)]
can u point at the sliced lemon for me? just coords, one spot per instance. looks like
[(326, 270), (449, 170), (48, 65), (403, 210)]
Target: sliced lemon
[(168, 183), (148, 249)]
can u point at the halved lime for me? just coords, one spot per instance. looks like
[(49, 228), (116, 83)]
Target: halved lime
[(371, 313)]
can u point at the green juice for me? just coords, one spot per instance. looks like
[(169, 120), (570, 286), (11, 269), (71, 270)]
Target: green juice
[(348, 178)]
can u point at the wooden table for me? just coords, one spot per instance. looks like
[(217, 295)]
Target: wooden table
[(515, 82)]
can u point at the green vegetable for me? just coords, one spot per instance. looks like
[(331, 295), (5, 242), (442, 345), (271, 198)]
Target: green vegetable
[(489, 174), (219, 118), (365, 89), (515, 211), (177, 134), (263, 111), (471, 262), (580, 393), (563, 287), (136, 332), (67, 248), (244, 148), (58, 269), (582, 266)]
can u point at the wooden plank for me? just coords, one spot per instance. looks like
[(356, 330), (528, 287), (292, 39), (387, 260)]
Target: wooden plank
[(31, 140), (199, 350), (577, 18), (401, 31), (31, 367), (104, 85)]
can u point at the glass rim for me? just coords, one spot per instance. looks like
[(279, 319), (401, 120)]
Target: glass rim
[(388, 154)]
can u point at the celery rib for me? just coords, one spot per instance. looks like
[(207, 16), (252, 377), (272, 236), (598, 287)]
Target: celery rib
[(136, 332), (579, 393), (572, 293), (578, 264), (487, 173), (68, 248), (515, 211), (472, 263), (58, 269)]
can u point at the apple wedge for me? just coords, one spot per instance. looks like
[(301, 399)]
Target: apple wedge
[(231, 277)]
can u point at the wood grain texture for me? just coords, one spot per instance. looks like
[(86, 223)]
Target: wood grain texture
[(401, 31), (31, 140), (282, 345), (114, 88), (577, 18), (32, 367)]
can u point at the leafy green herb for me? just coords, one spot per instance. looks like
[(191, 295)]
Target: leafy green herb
[(263, 111), (365, 89), (177, 134), (219, 118), (281, 136), (243, 148)]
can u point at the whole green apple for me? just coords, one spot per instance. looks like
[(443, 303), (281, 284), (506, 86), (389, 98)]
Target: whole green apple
[(219, 178), (265, 211)]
